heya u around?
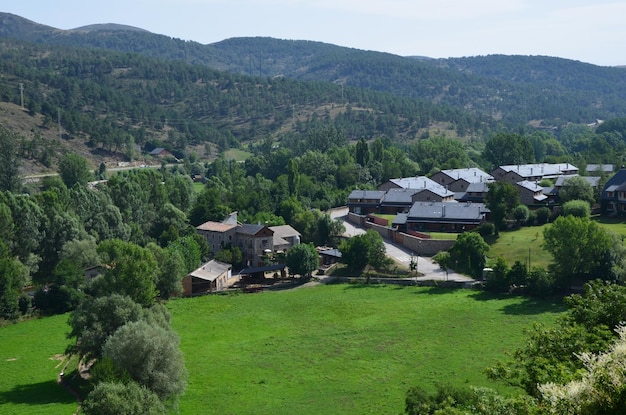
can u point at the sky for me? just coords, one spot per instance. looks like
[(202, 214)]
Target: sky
[(591, 31)]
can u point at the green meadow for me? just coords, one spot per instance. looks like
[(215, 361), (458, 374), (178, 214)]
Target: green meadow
[(342, 349), (31, 358)]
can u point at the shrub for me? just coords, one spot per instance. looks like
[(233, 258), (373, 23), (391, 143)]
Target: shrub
[(539, 283), (543, 215), (486, 229), (578, 208)]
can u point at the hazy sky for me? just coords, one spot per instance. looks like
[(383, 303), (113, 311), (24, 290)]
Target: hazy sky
[(592, 31)]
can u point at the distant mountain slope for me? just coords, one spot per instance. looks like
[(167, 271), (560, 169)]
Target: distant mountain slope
[(512, 89), (108, 27)]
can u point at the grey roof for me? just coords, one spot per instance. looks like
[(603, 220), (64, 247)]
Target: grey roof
[(560, 181), (249, 229), (532, 186), (447, 211), (334, 252), (284, 231), (470, 175), (401, 196), (540, 169), (418, 182), (477, 187), (157, 151), (367, 194), (400, 219), (211, 270), (597, 168)]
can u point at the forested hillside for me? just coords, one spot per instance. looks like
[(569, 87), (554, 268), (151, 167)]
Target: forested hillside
[(512, 89), (113, 101)]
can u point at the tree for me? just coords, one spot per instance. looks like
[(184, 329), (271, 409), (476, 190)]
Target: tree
[(329, 230), (116, 398), (363, 250), (581, 250), (95, 320), (13, 277), (520, 214), (9, 161), (129, 270), (74, 169), (501, 199), (171, 271), (362, 152), (468, 254), (601, 389), (576, 188), (507, 148), (150, 355), (302, 259)]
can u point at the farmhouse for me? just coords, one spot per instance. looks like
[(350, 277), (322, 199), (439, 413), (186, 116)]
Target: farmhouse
[(211, 277), (255, 241), (160, 152)]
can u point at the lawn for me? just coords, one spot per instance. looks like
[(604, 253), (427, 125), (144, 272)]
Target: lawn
[(517, 245), (342, 349), (30, 361), (514, 245)]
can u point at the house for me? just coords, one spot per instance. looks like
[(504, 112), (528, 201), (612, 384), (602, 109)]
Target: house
[(475, 192), (363, 202), (219, 235), (532, 172), (212, 276), (285, 237), (160, 152), (398, 200), (444, 216), (458, 180), (613, 198), (417, 182), (600, 169), (329, 256), (530, 193), (255, 241)]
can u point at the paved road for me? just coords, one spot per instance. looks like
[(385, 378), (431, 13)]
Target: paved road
[(425, 265)]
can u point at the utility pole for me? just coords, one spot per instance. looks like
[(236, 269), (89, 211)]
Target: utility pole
[(22, 95), (59, 122)]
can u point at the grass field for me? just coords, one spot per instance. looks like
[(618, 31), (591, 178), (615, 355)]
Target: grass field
[(343, 349), (514, 245), (29, 364)]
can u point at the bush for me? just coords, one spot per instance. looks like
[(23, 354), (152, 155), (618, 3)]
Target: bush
[(578, 208), (539, 283), (486, 229), (532, 218), (542, 215)]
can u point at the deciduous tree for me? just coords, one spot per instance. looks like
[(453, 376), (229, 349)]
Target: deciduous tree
[(302, 259)]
